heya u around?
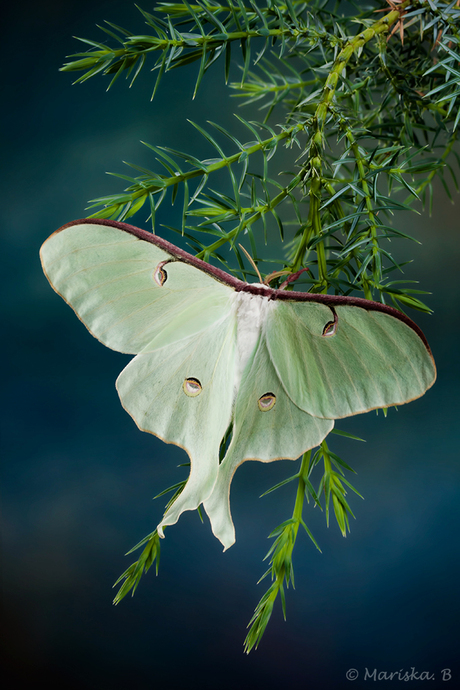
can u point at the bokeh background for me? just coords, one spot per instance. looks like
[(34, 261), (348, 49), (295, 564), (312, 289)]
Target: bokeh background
[(78, 477)]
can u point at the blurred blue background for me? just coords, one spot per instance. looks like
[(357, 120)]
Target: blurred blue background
[(78, 477)]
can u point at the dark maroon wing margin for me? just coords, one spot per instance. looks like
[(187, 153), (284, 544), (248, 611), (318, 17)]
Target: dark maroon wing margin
[(240, 285)]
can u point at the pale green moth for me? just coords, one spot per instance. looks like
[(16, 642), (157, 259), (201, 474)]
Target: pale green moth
[(212, 351)]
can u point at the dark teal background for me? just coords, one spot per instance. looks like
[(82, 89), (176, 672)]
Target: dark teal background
[(78, 477)]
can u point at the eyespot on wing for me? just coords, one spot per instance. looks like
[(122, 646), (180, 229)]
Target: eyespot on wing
[(192, 387), (267, 402), (159, 275)]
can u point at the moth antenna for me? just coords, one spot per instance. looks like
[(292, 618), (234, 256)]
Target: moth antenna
[(275, 274), (252, 261), (292, 277)]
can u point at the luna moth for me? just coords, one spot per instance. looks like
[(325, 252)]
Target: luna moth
[(213, 351)]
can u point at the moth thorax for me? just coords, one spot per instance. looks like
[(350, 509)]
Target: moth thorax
[(250, 314)]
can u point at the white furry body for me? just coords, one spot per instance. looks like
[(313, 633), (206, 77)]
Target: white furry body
[(250, 314)]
